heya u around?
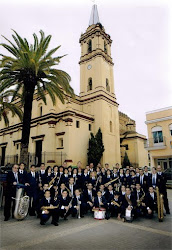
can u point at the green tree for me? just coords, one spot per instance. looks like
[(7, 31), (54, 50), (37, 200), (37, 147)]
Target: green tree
[(6, 105), (126, 161), (96, 148), (31, 68)]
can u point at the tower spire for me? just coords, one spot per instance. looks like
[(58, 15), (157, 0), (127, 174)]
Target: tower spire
[(94, 18)]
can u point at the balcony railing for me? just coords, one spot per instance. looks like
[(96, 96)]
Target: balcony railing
[(155, 144)]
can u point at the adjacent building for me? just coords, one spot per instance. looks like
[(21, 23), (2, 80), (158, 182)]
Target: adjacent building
[(159, 143)]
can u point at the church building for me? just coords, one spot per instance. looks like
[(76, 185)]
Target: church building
[(61, 133)]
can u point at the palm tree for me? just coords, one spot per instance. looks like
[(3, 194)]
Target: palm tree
[(31, 68), (6, 105)]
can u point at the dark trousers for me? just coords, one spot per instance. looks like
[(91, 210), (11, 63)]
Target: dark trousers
[(114, 210), (82, 210), (33, 203), (7, 206), (54, 213), (65, 214)]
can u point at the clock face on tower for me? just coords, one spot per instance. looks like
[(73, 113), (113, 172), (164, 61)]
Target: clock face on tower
[(89, 66)]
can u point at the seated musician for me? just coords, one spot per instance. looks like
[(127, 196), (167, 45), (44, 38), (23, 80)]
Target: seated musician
[(89, 195), (151, 202), (122, 190), (140, 198), (99, 201), (65, 205), (78, 204), (62, 188), (42, 192), (46, 213), (102, 189), (115, 206), (129, 203)]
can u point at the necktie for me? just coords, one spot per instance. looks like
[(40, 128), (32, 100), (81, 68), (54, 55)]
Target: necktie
[(153, 180)]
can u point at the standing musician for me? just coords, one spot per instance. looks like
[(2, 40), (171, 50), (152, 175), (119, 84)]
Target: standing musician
[(65, 204), (49, 175), (85, 178), (153, 181), (71, 186), (49, 207), (32, 190), (162, 188), (22, 174), (109, 193), (42, 175), (78, 204), (108, 175), (143, 180), (12, 181), (93, 178), (146, 173), (65, 177)]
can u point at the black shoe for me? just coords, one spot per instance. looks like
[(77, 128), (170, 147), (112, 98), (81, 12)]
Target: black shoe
[(54, 223), (6, 218), (82, 216), (168, 212), (65, 218), (42, 223)]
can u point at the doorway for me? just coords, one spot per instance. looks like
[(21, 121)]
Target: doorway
[(3, 149), (38, 152)]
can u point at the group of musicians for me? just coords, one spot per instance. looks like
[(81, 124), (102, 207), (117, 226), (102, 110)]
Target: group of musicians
[(63, 191)]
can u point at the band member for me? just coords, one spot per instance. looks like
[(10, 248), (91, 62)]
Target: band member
[(99, 201), (32, 190), (12, 181), (89, 195), (140, 198), (151, 202), (122, 176), (142, 179), (152, 181), (102, 189), (108, 175), (42, 175), (65, 177), (22, 174), (123, 190), (146, 173), (162, 187), (70, 171), (103, 176), (79, 178), (115, 173), (65, 205), (132, 178), (106, 166), (93, 178), (71, 186), (98, 172), (55, 170), (137, 172), (129, 203), (49, 175), (115, 206), (78, 204), (42, 191), (109, 193), (85, 178), (62, 188), (127, 177), (46, 213), (91, 167), (74, 174)]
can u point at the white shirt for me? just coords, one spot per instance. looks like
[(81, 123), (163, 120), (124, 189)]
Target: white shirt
[(20, 171), (152, 195), (71, 188), (33, 174), (100, 199), (16, 176), (42, 171), (48, 199), (90, 193)]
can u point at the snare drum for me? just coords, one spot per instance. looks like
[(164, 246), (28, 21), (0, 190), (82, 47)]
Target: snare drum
[(99, 213)]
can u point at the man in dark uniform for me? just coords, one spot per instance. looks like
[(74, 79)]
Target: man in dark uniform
[(65, 205), (162, 188), (48, 201), (32, 190), (78, 204), (12, 181), (151, 202), (22, 174)]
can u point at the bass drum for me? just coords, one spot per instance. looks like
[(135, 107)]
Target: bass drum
[(99, 213)]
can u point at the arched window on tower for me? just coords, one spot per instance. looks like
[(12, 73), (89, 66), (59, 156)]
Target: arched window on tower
[(107, 85), (90, 84), (105, 47), (157, 134), (40, 109), (89, 46), (110, 126)]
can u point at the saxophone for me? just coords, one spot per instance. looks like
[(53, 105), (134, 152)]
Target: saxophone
[(21, 204)]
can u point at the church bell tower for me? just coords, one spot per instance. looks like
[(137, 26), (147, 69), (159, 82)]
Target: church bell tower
[(97, 86)]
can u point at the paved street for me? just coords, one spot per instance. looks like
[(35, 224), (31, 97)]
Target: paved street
[(87, 233)]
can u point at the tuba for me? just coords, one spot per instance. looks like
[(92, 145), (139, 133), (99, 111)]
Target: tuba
[(21, 204)]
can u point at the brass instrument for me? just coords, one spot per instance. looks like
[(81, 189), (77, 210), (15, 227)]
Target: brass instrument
[(160, 205), (49, 207), (115, 203), (52, 181), (70, 194), (139, 202), (106, 184), (79, 211), (21, 205)]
